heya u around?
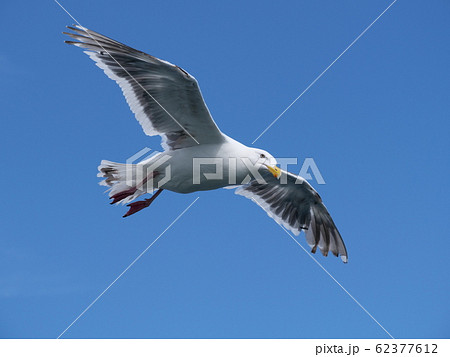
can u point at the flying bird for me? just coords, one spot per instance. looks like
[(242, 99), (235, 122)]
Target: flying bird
[(197, 156)]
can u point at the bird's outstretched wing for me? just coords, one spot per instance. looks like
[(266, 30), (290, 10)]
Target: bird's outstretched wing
[(165, 99), (293, 203)]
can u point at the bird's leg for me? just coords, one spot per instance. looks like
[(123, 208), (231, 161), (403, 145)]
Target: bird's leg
[(124, 194), (139, 205)]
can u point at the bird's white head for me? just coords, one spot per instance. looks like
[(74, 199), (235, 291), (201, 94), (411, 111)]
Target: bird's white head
[(266, 159)]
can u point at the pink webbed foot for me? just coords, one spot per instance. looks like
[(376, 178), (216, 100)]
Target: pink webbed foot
[(136, 207), (122, 195), (139, 205)]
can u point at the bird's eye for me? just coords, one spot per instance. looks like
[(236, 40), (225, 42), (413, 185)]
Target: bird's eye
[(262, 156)]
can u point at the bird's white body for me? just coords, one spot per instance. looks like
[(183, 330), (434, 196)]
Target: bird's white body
[(206, 167)]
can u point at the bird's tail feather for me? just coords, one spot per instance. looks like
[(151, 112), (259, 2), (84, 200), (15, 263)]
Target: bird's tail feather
[(122, 180)]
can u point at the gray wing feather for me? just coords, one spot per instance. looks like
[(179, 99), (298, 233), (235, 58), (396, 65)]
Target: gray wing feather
[(294, 204), (165, 99)]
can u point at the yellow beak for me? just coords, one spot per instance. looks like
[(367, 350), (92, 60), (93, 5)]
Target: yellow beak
[(275, 171)]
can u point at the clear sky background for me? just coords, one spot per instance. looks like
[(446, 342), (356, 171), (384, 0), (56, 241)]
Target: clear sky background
[(376, 124)]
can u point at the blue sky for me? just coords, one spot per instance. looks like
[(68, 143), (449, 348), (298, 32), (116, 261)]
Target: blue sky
[(376, 124)]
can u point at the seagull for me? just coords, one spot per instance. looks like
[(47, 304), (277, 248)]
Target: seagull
[(167, 101)]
